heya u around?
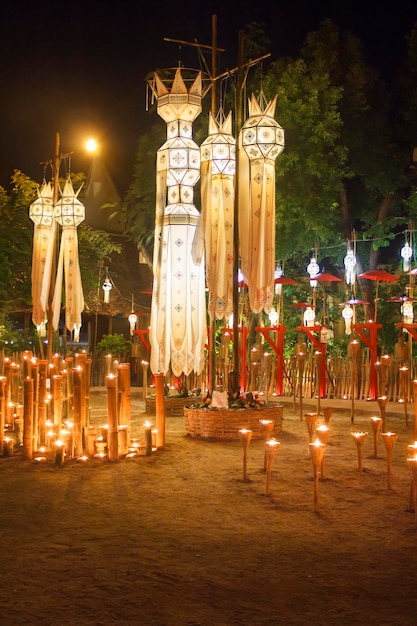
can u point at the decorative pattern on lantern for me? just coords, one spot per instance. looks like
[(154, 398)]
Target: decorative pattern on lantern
[(350, 267), (178, 311), (347, 314), (69, 212), (41, 212), (261, 140), (215, 232)]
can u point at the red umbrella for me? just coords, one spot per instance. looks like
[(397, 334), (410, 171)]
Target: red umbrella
[(284, 280), (377, 276), (325, 277)]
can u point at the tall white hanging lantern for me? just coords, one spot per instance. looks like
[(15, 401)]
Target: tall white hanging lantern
[(69, 212), (261, 141), (41, 212), (278, 274), (178, 310), (214, 235)]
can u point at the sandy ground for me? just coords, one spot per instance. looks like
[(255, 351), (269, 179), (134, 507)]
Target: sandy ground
[(178, 538)]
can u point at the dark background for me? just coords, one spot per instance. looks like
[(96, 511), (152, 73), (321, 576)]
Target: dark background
[(79, 68)]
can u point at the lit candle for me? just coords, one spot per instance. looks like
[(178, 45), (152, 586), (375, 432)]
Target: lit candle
[(59, 452), (148, 438)]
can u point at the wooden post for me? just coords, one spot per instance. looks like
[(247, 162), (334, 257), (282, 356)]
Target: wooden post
[(160, 410), (245, 436), (28, 418), (113, 432)]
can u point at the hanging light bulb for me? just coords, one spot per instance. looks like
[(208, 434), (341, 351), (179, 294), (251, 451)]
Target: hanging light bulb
[(347, 315), (407, 312), (309, 316), (313, 269), (406, 253), (350, 267)]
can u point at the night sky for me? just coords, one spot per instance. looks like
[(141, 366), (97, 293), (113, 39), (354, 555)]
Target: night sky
[(79, 68)]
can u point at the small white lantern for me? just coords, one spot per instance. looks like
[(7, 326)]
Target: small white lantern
[(273, 317), (133, 318), (313, 269), (107, 286), (309, 316), (350, 267), (406, 253), (278, 274), (347, 315), (407, 312)]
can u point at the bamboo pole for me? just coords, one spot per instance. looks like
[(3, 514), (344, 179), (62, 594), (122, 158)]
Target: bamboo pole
[(113, 431), (160, 410), (28, 418)]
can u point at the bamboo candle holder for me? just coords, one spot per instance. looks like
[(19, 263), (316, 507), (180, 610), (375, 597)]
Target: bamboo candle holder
[(317, 450), (412, 464), (415, 409), (376, 425), (311, 421), (59, 452), (412, 453), (382, 403), (271, 446), (245, 435), (322, 434), (359, 439), (389, 440), (327, 413), (148, 438), (267, 426)]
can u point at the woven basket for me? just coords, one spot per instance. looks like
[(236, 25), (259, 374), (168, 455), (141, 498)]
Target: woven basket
[(226, 423)]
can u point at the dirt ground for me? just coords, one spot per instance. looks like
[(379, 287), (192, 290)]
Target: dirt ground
[(178, 538)]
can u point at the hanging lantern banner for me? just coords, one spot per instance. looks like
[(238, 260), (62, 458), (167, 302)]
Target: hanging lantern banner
[(215, 231), (69, 213), (178, 311), (261, 140), (41, 212)]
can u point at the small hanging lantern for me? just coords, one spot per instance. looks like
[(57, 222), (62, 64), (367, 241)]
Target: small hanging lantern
[(278, 274), (407, 312), (406, 253), (347, 315), (273, 317), (107, 286), (309, 316), (133, 318), (313, 269), (350, 267)]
